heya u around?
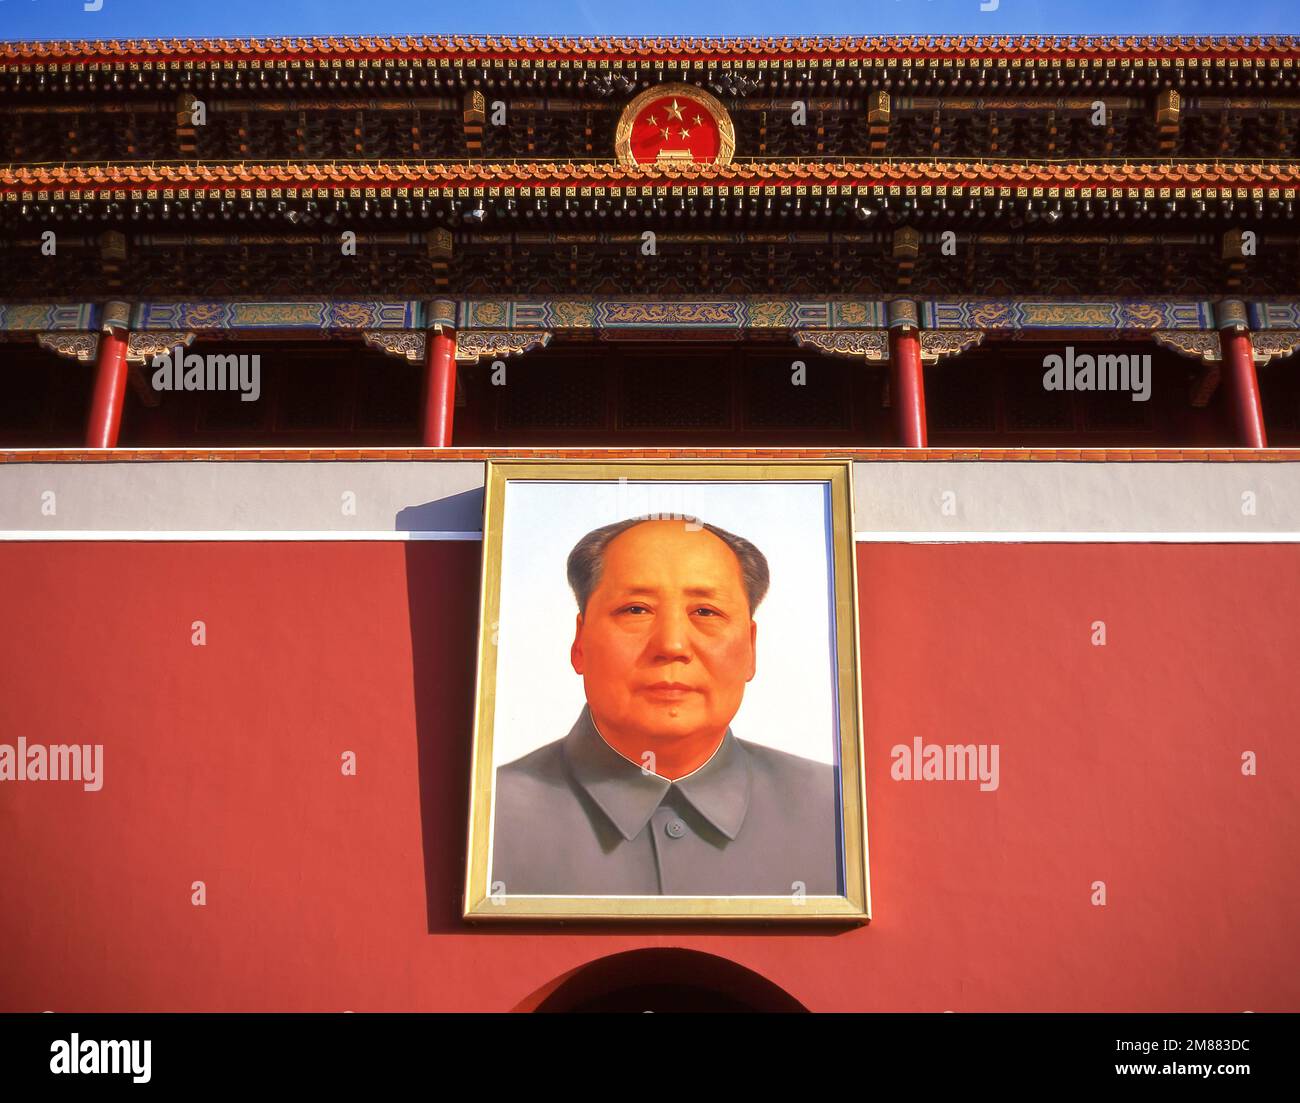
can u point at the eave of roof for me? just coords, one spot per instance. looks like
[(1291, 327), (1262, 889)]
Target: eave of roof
[(444, 175), (475, 48), (864, 455)]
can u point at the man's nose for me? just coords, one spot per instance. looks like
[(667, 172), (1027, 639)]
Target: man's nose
[(671, 637)]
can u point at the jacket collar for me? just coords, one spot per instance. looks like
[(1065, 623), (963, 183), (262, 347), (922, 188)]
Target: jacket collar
[(628, 796)]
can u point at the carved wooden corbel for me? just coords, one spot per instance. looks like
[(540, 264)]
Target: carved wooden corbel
[(75, 346), (938, 343), (1198, 344), (141, 348), (1274, 344), (405, 344), (473, 345), (870, 345), (144, 345)]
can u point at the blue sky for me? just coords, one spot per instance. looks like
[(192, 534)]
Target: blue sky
[(33, 19)]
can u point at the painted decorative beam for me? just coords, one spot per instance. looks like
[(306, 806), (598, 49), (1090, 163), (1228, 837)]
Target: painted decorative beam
[(312, 315), (1274, 315), (44, 317), (1085, 314), (689, 314), (1012, 315)]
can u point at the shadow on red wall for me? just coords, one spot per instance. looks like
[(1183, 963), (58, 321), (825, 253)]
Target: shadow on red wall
[(443, 660)]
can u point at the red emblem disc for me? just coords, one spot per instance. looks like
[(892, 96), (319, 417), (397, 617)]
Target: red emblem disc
[(676, 124)]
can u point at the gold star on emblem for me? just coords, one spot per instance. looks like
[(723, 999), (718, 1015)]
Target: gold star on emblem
[(652, 120), (675, 112), (698, 120), (685, 133), (664, 132)]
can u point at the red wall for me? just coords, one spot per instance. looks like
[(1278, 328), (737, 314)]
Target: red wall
[(326, 892)]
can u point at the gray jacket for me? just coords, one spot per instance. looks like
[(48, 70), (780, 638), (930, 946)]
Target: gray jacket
[(576, 818)]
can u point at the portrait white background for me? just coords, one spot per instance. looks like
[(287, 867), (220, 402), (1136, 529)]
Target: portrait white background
[(790, 704)]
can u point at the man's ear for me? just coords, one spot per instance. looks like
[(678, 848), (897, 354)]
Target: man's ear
[(575, 652), (753, 649)]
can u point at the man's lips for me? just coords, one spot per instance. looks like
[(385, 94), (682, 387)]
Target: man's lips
[(670, 691)]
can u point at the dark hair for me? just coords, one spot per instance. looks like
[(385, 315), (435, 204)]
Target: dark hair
[(587, 559)]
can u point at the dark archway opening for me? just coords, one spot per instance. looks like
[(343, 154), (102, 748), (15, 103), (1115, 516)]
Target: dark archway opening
[(661, 980)]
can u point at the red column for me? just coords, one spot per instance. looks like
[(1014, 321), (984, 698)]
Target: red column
[(907, 387), (439, 388), (1243, 388), (110, 390)]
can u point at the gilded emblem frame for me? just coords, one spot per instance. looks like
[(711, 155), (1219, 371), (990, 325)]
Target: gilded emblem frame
[(697, 96), (485, 901)]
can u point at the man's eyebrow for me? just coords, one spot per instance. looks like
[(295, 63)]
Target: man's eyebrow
[(638, 589), (690, 591)]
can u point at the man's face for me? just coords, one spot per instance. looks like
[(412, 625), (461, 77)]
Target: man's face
[(666, 644)]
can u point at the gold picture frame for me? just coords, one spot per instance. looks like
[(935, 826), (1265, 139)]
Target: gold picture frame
[(697, 96), (853, 904)]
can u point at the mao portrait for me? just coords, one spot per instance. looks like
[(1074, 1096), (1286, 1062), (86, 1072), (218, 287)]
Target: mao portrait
[(662, 782)]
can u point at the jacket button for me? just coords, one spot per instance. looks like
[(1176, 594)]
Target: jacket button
[(675, 828)]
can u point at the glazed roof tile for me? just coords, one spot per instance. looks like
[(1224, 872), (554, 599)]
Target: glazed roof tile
[(611, 174), (659, 48)]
